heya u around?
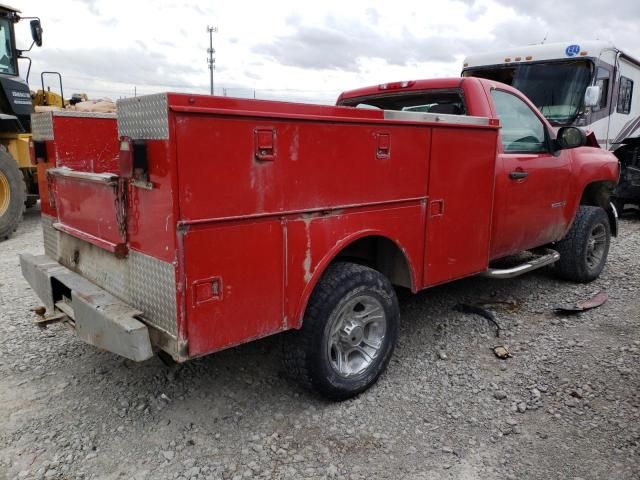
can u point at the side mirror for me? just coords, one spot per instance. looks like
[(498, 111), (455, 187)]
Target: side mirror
[(570, 137), (592, 96), (36, 32)]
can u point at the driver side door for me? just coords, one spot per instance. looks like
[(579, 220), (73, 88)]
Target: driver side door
[(531, 186)]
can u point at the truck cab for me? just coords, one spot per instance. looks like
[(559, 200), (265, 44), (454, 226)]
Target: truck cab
[(588, 84), (538, 185)]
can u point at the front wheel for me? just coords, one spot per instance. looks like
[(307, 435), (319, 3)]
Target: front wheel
[(348, 334), (584, 250), (12, 195)]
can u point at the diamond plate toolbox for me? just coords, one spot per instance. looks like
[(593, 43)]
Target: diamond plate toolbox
[(42, 126), (144, 118)]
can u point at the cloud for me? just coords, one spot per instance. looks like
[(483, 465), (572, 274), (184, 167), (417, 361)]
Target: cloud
[(341, 44), (92, 5), (568, 21), (284, 46), (132, 66), (373, 15)]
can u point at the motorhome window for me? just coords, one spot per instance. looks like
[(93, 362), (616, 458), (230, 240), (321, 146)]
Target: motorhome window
[(521, 130), (446, 102), (556, 88), (625, 93), (602, 81)]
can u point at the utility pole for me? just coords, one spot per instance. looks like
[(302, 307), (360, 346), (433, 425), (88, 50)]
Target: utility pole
[(211, 61)]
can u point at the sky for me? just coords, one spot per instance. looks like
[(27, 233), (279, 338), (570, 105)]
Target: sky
[(294, 50)]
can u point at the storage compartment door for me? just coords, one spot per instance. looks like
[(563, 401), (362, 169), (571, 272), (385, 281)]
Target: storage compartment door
[(460, 203), (234, 282)]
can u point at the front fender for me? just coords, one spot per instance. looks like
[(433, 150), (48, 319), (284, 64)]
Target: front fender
[(594, 176)]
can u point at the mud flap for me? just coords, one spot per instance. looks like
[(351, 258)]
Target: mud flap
[(612, 214)]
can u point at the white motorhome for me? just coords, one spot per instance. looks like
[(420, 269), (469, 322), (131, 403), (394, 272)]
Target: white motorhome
[(589, 84)]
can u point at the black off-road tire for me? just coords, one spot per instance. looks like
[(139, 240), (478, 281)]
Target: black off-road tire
[(307, 351), (30, 202), (12, 195), (577, 246)]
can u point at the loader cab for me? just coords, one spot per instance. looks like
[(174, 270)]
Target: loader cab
[(15, 97)]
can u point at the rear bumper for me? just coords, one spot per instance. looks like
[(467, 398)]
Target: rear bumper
[(99, 318)]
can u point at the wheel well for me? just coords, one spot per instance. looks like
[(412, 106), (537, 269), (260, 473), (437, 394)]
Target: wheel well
[(382, 255), (597, 194)]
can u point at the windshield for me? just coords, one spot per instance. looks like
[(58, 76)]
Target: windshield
[(556, 88), (7, 62)]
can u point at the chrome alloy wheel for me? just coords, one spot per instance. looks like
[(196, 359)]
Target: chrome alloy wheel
[(357, 335), (596, 245)]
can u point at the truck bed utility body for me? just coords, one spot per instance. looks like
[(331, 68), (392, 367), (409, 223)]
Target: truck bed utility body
[(207, 222)]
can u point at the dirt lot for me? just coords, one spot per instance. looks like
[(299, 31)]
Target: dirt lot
[(567, 405)]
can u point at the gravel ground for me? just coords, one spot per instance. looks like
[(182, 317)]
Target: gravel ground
[(566, 405)]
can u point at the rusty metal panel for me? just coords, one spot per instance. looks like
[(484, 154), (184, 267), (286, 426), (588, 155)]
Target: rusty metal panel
[(37, 270), (111, 325), (50, 236), (143, 282), (42, 126), (100, 318), (145, 117)]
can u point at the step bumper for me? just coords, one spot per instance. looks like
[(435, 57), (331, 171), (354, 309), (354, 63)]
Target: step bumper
[(98, 317)]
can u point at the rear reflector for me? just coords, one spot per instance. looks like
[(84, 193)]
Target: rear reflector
[(32, 153), (125, 158), (37, 152)]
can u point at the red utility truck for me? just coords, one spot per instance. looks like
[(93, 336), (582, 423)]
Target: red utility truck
[(191, 223)]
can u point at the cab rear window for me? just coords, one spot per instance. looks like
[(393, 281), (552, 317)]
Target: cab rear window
[(433, 101)]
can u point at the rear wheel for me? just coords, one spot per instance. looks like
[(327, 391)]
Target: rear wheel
[(584, 250), (12, 195), (348, 334)]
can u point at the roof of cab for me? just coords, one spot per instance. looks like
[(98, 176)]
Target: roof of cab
[(412, 85), (7, 7)]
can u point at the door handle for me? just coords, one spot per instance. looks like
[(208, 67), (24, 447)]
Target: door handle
[(517, 175)]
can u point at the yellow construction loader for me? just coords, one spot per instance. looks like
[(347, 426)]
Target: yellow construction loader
[(18, 183)]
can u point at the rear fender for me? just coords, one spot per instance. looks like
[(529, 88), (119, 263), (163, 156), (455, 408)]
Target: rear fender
[(334, 253)]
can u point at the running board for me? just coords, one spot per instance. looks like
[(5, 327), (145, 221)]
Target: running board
[(550, 256)]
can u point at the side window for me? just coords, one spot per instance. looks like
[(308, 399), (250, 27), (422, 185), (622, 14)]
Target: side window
[(602, 81), (625, 92), (521, 129)]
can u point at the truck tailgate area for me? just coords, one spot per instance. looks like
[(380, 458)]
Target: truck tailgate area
[(99, 318)]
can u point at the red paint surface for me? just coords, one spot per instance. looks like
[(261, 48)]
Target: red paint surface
[(87, 144), (88, 207), (461, 204)]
